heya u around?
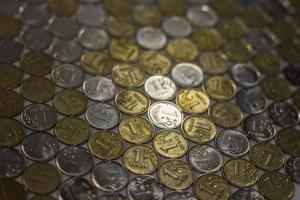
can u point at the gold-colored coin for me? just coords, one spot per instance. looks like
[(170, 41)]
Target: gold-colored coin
[(37, 89), (214, 63), (289, 51), (43, 197), (170, 144), (296, 99), (182, 50), (10, 76), (11, 132), (273, 87), (96, 63), (72, 130), (283, 29), (172, 7), (254, 17), (207, 39), (12, 190), (118, 7), (211, 187), (154, 62), (237, 51), (220, 88), (276, 186), (267, 63), (36, 63), (289, 141), (136, 130), (10, 27), (41, 178), (225, 114), (192, 101), (231, 9), (232, 28), (11, 103), (240, 172), (266, 156), (106, 145), (147, 15), (63, 7), (127, 75), (120, 27), (124, 50), (132, 102), (70, 102), (198, 129), (175, 174), (141, 159)]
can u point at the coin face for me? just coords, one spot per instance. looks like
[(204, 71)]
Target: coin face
[(248, 194), (12, 132), (93, 38), (272, 87), (182, 50), (66, 51), (180, 196), (67, 75), (154, 62), (207, 39), (147, 15), (292, 167), (11, 103), (64, 8), (12, 27), (214, 63), (232, 28), (288, 140), (120, 27), (251, 101), (245, 75), (36, 38), (64, 27), (12, 189), (91, 15), (151, 38), (238, 51), (160, 87), (124, 51), (127, 75), (262, 39), (202, 16), (267, 63), (10, 76), (176, 26), (12, 163), (187, 75), (96, 63)]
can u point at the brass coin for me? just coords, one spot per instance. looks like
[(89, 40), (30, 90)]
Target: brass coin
[(192, 101), (147, 15), (211, 187), (289, 51), (175, 174), (36, 63), (170, 144), (267, 63), (238, 51), (96, 63), (276, 186), (207, 39), (220, 88), (63, 7), (106, 145), (132, 102), (214, 63), (42, 197), (198, 129), (154, 62), (12, 132), (124, 50), (296, 99), (118, 7), (182, 50), (254, 17), (172, 7), (70, 102), (231, 9), (72, 130), (127, 75), (232, 28), (141, 159), (289, 141), (136, 130), (240, 172), (37, 89), (11, 103), (10, 76), (120, 27), (283, 29), (225, 114), (266, 156), (12, 190), (41, 178), (10, 27), (273, 87)]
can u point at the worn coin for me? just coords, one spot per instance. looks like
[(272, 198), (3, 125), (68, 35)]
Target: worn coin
[(182, 50), (67, 75), (289, 141), (91, 15), (127, 75), (120, 27), (11, 103), (12, 163), (64, 27), (272, 87), (12, 189), (251, 101), (187, 74), (176, 26), (160, 87), (147, 15), (202, 16), (245, 75), (238, 51), (292, 166), (63, 8), (214, 63), (12, 132), (99, 88), (246, 194), (118, 8), (10, 76), (268, 63), (96, 63), (114, 196), (10, 51), (232, 28), (36, 38), (124, 50), (154, 62), (92, 38), (207, 39), (178, 195), (151, 38), (66, 51)]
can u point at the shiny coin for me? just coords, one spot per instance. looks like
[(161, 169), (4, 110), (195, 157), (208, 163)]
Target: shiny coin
[(67, 75), (251, 101), (127, 75), (64, 27), (247, 194), (12, 163), (91, 15), (10, 51), (232, 28), (36, 38), (160, 87), (245, 75), (207, 39), (64, 8), (288, 140), (214, 63), (187, 74), (182, 50), (11, 132), (11, 27), (237, 51), (114, 196), (120, 27), (11, 103), (272, 87), (151, 38), (154, 62), (66, 51), (99, 88), (268, 63), (10, 76), (147, 15), (292, 167), (220, 88), (96, 63), (202, 16), (11, 189), (124, 51), (292, 74), (92, 38), (176, 26), (180, 196)]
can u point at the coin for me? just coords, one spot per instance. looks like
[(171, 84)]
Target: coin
[(291, 167), (64, 27), (141, 159), (207, 39), (177, 27), (124, 50), (202, 16), (160, 87), (231, 9), (170, 144), (99, 88), (10, 76), (247, 194), (120, 27), (10, 51), (11, 189), (220, 88), (117, 7), (214, 63), (151, 38), (283, 29), (136, 130), (12, 132), (64, 8), (187, 74), (232, 28), (66, 51), (254, 17), (261, 40), (106, 145), (35, 15), (288, 140), (67, 75), (172, 7), (93, 38), (178, 195), (114, 196), (11, 27), (296, 99), (245, 75), (292, 74), (146, 15), (154, 62), (272, 87), (289, 51), (251, 101), (205, 158), (42, 197), (238, 51), (91, 15), (96, 63), (11, 103), (127, 75), (12, 163), (267, 63), (182, 50), (36, 38)]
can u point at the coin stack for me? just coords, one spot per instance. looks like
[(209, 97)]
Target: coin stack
[(149, 99)]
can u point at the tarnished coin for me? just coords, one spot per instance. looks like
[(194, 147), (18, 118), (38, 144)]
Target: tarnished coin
[(238, 51), (292, 74), (141, 159), (10, 51), (246, 194), (187, 75), (118, 8), (40, 146), (207, 39), (67, 75), (91, 15), (254, 17), (12, 163), (151, 38), (160, 87), (92, 38), (169, 7), (11, 27), (109, 176), (66, 51), (245, 75), (99, 88), (114, 196), (214, 63), (64, 7), (232, 28), (124, 50), (178, 195), (292, 166), (289, 140), (272, 87), (261, 40), (251, 101), (11, 103), (268, 63), (96, 63), (176, 26), (202, 16), (154, 62), (120, 27), (64, 27), (12, 132), (36, 38), (146, 15), (182, 50), (127, 75), (12, 189), (165, 114), (10, 76), (205, 158)]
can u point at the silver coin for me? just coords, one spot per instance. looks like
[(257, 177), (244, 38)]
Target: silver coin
[(91, 15), (146, 188), (151, 38), (99, 88), (292, 168), (67, 75), (38, 117), (10, 51), (160, 87), (40, 146), (199, 1), (187, 74), (232, 143), (205, 158), (12, 163), (145, 1), (77, 189), (202, 16), (245, 75), (251, 101), (261, 40), (92, 38), (9, 7), (177, 27), (74, 161), (284, 114), (180, 196), (66, 51), (165, 114), (64, 27), (246, 194), (36, 38), (109, 176), (112, 197), (35, 15), (102, 116)]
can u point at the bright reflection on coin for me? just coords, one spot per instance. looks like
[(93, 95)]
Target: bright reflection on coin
[(151, 38), (245, 75), (176, 26), (99, 88), (160, 87), (202, 16), (187, 75)]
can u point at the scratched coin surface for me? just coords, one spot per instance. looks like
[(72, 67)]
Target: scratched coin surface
[(160, 87), (187, 74), (292, 167), (12, 163)]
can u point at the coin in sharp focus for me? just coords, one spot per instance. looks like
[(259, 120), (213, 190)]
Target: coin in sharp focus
[(136, 130), (176, 26), (182, 50), (272, 87), (41, 178), (207, 39), (64, 27), (11, 26), (96, 63), (12, 163), (74, 161), (289, 141), (154, 62), (99, 88), (238, 51), (63, 8), (202, 16), (160, 87), (165, 114), (42, 197), (205, 158), (232, 28), (292, 74), (67, 75), (10, 76), (141, 159), (245, 75), (93, 38), (38, 117), (187, 75), (120, 27), (214, 63), (10, 51), (91, 15), (114, 196), (36, 38), (11, 103), (12, 190), (276, 186), (268, 63), (247, 194), (145, 187), (251, 101), (127, 75), (106, 145), (124, 50), (147, 15), (66, 51), (170, 144), (35, 15), (12, 132), (151, 38), (109, 176), (178, 195), (292, 166)]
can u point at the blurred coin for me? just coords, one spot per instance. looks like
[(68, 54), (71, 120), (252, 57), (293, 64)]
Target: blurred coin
[(176, 26), (96, 63), (64, 27), (12, 189), (292, 167), (202, 16), (10, 27), (91, 15), (11, 103), (10, 51), (182, 50), (288, 140), (67, 75), (35, 15), (172, 7), (151, 38), (99, 88), (178, 195), (214, 63), (232, 28), (160, 87), (147, 15), (63, 7), (92, 38), (114, 196), (12, 163), (154, 62), (268, 63), (248, 194), (187, 74), (124, 50), (9, 7), (292, 74), (207, 39), (238, 51), (66, 51), (261, 40), (10, 76), (120, 27), (12, 132), (219, 88), (36, 38), (245, 75), (251, 101)]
